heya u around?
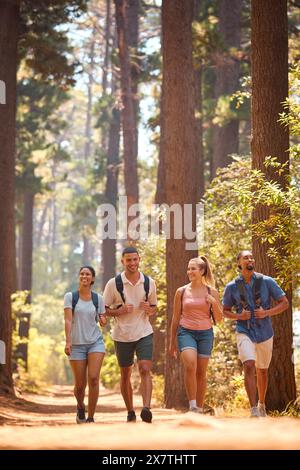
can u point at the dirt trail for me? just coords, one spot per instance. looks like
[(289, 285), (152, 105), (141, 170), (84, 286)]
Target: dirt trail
[(47, 422)]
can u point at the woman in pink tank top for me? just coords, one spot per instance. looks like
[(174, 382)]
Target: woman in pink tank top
[(196, 306)]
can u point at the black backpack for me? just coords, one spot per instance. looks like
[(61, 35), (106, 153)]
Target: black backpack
[(255, 289), (120, 286), (210, 308), (75, 298)]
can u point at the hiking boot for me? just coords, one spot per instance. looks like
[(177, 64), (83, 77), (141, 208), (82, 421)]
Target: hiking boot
[(90, 420), (80, 416), (262, 410), (131, 417), (254, 412), (146, 415)]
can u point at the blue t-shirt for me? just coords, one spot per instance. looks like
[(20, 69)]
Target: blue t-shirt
[(258, 329)]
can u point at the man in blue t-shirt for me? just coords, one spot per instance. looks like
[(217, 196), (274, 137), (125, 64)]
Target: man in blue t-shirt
[(251, 295)]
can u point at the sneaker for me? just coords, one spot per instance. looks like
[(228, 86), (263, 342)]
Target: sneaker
[(194, 409), (131, 417), (146, 415), (80, 416), (208, 410), (90, 420), (254, 412), (262, 410)]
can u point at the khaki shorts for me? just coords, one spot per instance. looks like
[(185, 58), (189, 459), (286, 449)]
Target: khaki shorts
[(261, 353)]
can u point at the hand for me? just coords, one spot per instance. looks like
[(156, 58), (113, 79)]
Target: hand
[(261, 313), (245, 315), (126, 308), (173, 350), (68, 348), (102, 320), (210, 299), (146, 307)]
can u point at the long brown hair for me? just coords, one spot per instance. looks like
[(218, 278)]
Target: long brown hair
[(203, 263)]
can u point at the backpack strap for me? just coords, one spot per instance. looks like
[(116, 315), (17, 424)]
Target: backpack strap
[(75, 298), (120, 286), (241, 288), (257, 288), (210, 308), (146, 286), (181, 299), (95, 300)]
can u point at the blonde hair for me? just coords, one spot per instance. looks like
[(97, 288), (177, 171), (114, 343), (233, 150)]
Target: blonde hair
[(203, 263)]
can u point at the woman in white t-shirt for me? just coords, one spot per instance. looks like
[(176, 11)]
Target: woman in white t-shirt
[(84, 309)]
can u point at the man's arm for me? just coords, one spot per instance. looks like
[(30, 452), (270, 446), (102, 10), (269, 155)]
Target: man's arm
[(117, 312), (244, 315), (282, 305)]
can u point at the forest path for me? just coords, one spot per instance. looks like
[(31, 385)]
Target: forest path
[(47, 422)]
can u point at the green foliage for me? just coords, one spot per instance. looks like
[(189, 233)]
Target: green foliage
[(110, 371)]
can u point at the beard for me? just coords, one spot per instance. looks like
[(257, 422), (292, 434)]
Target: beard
[(250, 268)]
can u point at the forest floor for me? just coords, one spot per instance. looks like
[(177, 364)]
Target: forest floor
[(47, 421)]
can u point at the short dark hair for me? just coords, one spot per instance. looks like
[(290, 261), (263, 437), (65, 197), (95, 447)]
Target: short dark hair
[(91, 269), (129, 250), (241, 253)]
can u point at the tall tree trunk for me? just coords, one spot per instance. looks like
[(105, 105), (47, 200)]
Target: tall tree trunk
[(128, 111), (226, 137), (181, 156), (269, 90), (199, 111), (27, 242), (9, 22), (88, 122), (111, 193)]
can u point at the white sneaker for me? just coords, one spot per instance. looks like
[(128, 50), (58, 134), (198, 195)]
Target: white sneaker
[(262, 410), (254, 412)]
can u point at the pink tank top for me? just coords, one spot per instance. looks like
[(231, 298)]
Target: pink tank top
[(195, 312)]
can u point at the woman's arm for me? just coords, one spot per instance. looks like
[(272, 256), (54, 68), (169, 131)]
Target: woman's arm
[(214, 299), (68, 326), (175, 321)]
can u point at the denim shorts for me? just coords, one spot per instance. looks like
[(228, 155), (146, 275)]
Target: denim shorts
[(200, 340), (80, 352), (143, 348)]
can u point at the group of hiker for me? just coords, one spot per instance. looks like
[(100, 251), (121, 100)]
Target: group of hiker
[(130, 299)]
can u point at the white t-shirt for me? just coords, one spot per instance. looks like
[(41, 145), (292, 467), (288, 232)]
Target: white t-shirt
[(85, 326), (131, 326)]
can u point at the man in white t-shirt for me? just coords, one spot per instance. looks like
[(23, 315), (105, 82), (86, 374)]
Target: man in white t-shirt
[(131, 300)]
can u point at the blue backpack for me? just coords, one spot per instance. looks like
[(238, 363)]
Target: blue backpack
[(75, 298), (120, 286)]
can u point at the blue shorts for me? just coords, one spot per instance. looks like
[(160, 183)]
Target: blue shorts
[(80, 352), (200, 340)]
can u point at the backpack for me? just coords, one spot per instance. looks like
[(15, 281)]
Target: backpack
[(120, 286), (75, 298), (255, 289), (210, 308)]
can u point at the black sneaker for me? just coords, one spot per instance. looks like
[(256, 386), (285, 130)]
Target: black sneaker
[(90, 420), (131, 417), (146, 415), (80, 416)]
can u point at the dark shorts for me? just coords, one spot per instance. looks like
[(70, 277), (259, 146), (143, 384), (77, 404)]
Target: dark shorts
[(143, 349), (200, 340)]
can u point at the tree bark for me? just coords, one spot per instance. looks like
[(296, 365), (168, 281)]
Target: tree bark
[(111, 193), (269, 90), (128, 111), (226, 137), (27, 242), (9, 23), (180, 147)]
